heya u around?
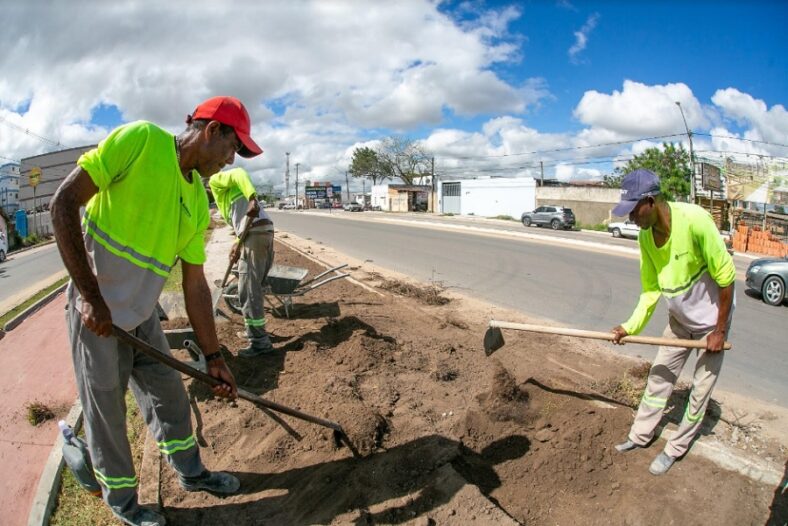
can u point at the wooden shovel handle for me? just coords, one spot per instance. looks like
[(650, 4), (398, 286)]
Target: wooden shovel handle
[(594, 335)]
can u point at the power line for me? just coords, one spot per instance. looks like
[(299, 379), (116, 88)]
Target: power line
[(28, 132), (9, 159), (741, 139), (571, 148)]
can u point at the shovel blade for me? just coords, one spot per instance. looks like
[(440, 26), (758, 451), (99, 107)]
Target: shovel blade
[(493, 340)]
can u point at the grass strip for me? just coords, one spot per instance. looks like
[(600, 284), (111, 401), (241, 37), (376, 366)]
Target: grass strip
[(77, 507), (8, 316)]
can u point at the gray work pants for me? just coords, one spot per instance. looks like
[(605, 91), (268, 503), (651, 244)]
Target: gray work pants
[(257, 256), (661, 380), (104, 367)]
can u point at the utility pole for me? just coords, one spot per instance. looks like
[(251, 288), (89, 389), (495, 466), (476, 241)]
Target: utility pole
[(347, 184), (692, 155), (296, 194), (541, 169), (287, 177), (432, 180)]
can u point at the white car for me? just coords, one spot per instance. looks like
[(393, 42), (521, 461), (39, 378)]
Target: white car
[(624, 229)]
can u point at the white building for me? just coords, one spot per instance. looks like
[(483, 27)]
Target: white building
[(490, 197), (9, 188)]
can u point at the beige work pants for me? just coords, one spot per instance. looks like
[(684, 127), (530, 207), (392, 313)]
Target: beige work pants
[(661, 380)]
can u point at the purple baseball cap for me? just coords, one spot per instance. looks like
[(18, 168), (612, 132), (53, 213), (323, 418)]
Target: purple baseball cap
[(634, 187)]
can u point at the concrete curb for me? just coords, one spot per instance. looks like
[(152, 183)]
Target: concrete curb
[(731, 460), (19, 318), (51, 477)]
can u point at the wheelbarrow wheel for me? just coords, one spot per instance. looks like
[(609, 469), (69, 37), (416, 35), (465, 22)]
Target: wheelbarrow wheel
[(231, 298)]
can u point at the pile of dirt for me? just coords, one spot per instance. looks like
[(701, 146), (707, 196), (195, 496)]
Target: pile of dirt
[(446, 435), (429, 294)]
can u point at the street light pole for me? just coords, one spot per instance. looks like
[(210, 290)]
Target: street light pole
[(692, 154), (296, 193), (287, 177)]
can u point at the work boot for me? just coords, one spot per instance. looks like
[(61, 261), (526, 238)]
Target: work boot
[(143, 516), (626, 446), (257, 348), (661, 464), (214, 481)]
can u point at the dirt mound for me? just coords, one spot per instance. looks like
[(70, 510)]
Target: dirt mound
[(446, 435), (429, 295)]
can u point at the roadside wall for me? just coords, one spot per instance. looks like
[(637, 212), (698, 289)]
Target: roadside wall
[(591, 205)]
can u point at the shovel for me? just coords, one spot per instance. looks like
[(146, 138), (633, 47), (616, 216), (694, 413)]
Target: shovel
[(493, 338), (340, 437)]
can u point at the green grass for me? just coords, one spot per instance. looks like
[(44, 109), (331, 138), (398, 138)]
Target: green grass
[(8, 316), (77, 507)]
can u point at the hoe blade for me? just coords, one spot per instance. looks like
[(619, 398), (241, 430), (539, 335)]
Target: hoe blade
[(493, 340)]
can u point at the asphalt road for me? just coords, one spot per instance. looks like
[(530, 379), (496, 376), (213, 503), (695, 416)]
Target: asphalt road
[(574, 286), (25, 273)]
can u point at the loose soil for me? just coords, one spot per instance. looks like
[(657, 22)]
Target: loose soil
[(445, 434)]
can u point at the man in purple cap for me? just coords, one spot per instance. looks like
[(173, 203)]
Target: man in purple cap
[(145, 208), (683, 258)]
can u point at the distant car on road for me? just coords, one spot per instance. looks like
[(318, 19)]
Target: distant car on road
[(624, 229), (769, 277), (352, 207), (555, 216), (3, 247)]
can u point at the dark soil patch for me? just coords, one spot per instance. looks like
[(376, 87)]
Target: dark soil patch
[(429, 295)]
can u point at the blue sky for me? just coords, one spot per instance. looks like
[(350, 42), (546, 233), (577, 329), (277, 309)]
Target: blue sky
[(477, 83), (706, 45)]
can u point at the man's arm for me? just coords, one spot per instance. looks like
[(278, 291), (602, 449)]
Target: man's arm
[(74, 192), (716, 339), (200, 312)]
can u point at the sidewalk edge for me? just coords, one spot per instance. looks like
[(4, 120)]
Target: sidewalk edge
[(49, 483), (19, 318)]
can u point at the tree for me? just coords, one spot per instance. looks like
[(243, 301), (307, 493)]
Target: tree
[(403, 158), (613, 180), (365, 163), (671, 164)]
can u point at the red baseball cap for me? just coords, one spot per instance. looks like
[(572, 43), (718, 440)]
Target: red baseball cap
[(230, 111)]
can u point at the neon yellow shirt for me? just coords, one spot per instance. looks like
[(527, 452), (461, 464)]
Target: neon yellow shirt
[(229, 186), (688, 270), (144, 215), (145, 211)]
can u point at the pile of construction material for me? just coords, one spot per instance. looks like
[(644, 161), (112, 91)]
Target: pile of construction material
[(755, 240)]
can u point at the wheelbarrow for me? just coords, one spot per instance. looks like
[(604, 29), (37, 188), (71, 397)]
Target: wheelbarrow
[(283, 284)]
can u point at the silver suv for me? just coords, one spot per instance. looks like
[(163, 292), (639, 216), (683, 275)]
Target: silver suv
[(555, 216)]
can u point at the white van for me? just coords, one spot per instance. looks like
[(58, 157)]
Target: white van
[(3, 246)]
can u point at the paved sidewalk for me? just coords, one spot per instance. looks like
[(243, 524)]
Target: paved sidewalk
[(36, 367)]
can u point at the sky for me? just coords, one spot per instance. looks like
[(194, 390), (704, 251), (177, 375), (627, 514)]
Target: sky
[(487, 88)]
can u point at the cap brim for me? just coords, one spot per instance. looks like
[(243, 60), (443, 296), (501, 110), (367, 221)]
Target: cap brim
[(249, 148), (623, 208)]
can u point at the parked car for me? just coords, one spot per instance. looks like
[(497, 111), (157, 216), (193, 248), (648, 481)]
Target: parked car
[(352, 207), (769, 277), (3, 246), (624, 229), (555, 216)]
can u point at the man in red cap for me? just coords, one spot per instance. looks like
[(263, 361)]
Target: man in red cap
[(145, 208)]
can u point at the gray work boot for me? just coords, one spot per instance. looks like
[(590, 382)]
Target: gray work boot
[(143, 516), (214, 481), (257, 348), (661, 464), (626, 446)]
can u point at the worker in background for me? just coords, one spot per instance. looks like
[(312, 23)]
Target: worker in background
[(238, 204), (145, 207), (683, 258)]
